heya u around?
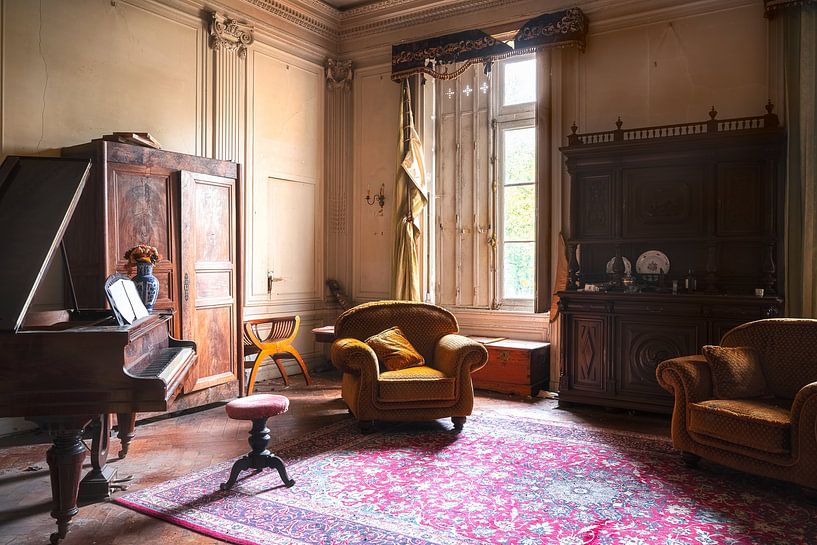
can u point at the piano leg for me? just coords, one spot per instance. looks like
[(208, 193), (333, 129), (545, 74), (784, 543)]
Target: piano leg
[(96, 485), (65, 466), (126, 424)]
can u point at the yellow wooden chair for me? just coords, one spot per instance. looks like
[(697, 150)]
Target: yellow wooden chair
[(276, 343)]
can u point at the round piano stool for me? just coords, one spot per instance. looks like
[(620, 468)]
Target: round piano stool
[(258, 408)]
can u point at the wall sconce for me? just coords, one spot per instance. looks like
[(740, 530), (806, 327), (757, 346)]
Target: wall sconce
[(379, 198)]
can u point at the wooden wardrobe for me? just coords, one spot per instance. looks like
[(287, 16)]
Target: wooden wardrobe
[(189, 208)]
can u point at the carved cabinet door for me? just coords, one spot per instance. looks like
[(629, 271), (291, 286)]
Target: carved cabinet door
[(643, 343), (587, 367), (208, 276)]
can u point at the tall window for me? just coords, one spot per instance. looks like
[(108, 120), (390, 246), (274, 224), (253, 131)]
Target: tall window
[(516, 168), (485, 187)]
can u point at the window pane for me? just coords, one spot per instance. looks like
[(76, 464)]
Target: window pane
[(520, 82), (518, 270), (519, 155), (519, 213)]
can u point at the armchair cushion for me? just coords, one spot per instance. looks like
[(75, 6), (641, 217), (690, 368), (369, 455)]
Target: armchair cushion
[(746, 422), (421, 383), (736, 372), (394, 351)]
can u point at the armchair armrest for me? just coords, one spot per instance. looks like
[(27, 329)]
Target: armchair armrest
[(355, 357), (807, 393), (687, 376), (455, 352)]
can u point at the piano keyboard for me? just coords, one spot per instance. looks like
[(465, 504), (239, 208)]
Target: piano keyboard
[(164, 365)]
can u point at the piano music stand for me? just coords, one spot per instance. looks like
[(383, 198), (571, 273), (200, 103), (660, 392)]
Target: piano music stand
[(108, 281)]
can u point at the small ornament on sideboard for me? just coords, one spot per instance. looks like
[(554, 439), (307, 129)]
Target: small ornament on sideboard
[(574, 280), (690, 283), (144, 257)]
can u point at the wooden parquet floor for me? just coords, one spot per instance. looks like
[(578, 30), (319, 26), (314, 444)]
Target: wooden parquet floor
[(171, 447)]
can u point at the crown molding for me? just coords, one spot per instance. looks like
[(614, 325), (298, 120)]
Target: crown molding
[(390, 15), (311, 15), (369, 25), (613, 15)]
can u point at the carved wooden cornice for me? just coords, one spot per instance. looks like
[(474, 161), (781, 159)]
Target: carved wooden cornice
[(324, 23), (230, 35), (338, 74)]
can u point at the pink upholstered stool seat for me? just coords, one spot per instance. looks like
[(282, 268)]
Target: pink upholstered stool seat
[(257, 406)]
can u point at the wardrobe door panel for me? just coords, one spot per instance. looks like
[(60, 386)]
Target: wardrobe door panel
[(209, 303)]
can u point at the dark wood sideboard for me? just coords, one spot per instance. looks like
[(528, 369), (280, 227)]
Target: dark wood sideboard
[(709, 197), (189, 207)]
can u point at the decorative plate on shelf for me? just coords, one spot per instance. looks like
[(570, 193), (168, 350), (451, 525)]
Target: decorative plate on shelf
[(652, 262), (628, 267)]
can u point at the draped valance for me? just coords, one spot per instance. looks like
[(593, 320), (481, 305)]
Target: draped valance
[(431, 56), (774, 5)]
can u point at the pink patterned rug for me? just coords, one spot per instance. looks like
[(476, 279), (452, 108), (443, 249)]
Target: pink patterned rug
[(502, 481)]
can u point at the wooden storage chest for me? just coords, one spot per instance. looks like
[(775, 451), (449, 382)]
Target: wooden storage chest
[(514, 367)]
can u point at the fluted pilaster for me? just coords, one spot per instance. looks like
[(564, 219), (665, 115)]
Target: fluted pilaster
[(229, 41), (339, 170)]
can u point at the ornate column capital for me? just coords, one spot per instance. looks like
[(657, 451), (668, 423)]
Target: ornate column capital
[(229, 34), (338, 74)]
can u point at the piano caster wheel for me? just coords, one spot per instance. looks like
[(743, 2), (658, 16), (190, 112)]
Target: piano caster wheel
[(62, 530)]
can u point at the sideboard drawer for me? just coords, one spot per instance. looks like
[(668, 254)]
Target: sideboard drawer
[(658, 307)]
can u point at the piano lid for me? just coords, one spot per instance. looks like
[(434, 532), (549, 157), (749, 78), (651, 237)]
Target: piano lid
[(37, 199)]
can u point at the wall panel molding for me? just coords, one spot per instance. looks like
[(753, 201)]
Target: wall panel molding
[(285, 176), (376, 134), (77, 76)]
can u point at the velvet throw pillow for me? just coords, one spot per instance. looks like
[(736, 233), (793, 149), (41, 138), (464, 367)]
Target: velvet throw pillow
[(394, 351), (736, 372)]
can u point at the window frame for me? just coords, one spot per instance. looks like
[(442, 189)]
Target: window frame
[(515, 116)]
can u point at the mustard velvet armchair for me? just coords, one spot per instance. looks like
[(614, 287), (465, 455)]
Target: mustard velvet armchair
[(773, 436), (439, 389)]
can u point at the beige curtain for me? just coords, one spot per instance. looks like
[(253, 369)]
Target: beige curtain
[(410, 198), (800, 67)]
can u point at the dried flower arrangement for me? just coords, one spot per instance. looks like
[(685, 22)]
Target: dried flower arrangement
[(142, 253)]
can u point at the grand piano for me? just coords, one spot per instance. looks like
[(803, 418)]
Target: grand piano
[(68, 369)]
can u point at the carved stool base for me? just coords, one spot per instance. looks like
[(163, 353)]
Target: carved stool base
[(258, 408)]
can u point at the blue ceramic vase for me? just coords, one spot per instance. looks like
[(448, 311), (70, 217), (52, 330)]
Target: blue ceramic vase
[(147, 285)]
